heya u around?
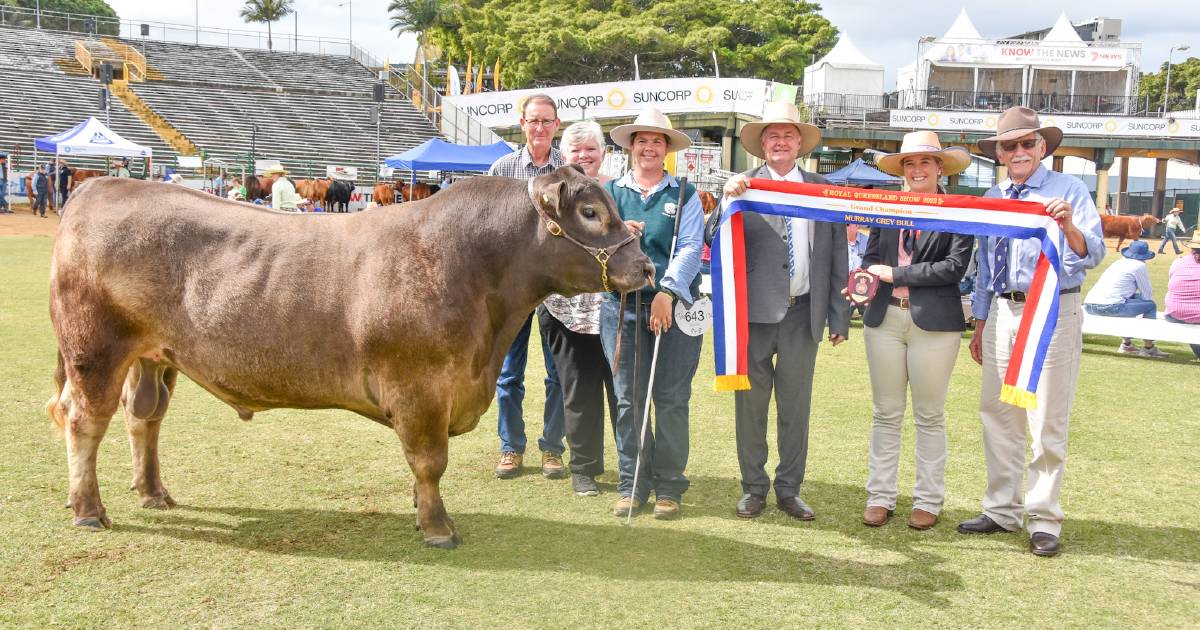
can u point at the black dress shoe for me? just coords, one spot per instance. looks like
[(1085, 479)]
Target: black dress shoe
[(981, 524), (1043, 544), (796, 508), (751, 505)]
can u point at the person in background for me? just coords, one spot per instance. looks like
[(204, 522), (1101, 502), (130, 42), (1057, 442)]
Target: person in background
[(4, 209), (64, 184), (1172, 227), (237, 191), (1123, 290), (539, 122), (651, 199), (571, 327), (913, 330), (122, 169), (1183, 288), (41, 188), (283, 192)]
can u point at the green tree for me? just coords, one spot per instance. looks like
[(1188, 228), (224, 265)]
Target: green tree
[(54, 15), (265, 11), (554, 42), (419, 17), (1185, 80)]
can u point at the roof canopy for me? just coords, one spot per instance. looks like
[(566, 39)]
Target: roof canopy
[(1063, 32), (846, 55), (439, 155), (963, 29), (860, 173), (91, 137)]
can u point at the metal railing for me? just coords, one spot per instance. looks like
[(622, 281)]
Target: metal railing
[(456, 125), (167, 32), (972, 100)]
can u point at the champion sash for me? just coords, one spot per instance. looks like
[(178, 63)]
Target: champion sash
[(961, 214)]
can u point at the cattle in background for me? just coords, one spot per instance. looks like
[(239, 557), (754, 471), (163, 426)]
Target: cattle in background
[(384, 194), (416, 192), (257, 188), (708, 202), (337, 197), (80, 175), (1126, 227), (404, 326)]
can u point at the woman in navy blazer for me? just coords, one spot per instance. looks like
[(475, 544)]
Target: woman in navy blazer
[(913, 330)]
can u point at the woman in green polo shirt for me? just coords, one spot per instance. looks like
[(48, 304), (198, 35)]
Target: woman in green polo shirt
[(650, 198)]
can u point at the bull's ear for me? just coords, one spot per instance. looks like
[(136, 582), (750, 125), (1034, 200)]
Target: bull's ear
[(549, 196)]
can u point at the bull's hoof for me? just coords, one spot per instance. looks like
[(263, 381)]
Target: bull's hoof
[(161, 502), (93, 523), (444, 542)]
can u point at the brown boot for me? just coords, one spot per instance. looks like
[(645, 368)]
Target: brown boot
[(552, 466), (876, 516), (666, 509), (625, 505), (920, 519), (510, 465)]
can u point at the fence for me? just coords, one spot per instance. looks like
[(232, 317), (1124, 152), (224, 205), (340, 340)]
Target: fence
[(973, 100), (177, 33), (1143, 202)]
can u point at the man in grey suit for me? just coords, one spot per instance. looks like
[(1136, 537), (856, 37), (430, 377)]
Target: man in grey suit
[(795, 271)]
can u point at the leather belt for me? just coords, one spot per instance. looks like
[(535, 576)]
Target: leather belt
[(899, 301), (797, 299), (1019, 296)]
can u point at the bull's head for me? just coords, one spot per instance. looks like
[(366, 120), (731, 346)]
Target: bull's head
[(599, 252)]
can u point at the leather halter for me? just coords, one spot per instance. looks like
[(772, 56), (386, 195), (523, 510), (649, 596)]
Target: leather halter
[(601, 254)]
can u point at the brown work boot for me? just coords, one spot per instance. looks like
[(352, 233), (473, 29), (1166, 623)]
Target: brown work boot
[(510, 465), (552, 466), (920, 519), (625, 505), (876, 516), (666, 509)]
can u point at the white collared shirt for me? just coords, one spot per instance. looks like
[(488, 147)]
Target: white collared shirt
[(802, 233)]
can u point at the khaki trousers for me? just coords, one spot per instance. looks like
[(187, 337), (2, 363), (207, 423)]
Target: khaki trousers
[(1005, 426), (901, 356)]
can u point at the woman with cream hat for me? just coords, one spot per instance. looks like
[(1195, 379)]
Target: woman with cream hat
[(649, 199), (913, 329)]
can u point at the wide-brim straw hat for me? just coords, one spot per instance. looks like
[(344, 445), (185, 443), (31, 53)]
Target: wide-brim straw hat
[(1195, 242), (275, 169), (954, 159), (1017, 122), (778, 112), (1176, 210), (651, 119)]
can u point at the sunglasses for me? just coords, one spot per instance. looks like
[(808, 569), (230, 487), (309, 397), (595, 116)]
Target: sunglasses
[(1009, 147)]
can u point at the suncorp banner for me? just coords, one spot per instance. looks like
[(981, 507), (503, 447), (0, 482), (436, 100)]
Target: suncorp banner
[(623, 99), (1070, 125)]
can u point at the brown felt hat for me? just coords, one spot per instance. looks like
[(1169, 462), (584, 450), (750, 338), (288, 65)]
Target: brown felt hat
[(1017, 122)]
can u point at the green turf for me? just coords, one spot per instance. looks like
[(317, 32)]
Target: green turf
[(304, 518)]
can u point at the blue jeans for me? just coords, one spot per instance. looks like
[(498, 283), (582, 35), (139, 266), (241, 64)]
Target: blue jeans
[(510, 394), (1131, 307), (1195, 347), (1169, 235), (665, 450)]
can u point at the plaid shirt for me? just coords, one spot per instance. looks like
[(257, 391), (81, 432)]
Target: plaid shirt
[(520, 164)]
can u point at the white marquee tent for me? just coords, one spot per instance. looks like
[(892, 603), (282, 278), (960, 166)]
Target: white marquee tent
[(845, 70), (91, 138)]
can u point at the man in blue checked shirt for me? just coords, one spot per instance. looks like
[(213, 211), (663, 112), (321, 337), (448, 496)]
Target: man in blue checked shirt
[(1005, 269)]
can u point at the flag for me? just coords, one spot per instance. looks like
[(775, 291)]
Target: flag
[(890, 209)]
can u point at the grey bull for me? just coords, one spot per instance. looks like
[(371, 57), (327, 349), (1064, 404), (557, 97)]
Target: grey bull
[(400, 314)]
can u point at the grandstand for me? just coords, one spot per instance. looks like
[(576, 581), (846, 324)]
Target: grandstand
[(306, 110)]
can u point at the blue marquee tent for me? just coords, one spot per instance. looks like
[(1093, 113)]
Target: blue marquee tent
[(439, 155), (859, 173)]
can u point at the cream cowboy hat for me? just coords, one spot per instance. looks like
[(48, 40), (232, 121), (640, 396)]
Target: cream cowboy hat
[(777, 112), (651, 119), (954, 159), (1176, 210), (1195, 242), (275, 169), (1016, 122)]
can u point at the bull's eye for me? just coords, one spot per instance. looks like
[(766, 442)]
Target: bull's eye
[(589, 212)]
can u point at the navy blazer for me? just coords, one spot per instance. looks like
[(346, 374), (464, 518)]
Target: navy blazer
[(938, 264)]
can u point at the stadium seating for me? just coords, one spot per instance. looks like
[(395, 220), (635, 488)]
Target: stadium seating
[(303, 109)]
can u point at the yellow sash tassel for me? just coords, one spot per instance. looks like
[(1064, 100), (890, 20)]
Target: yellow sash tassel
[(732, 382), (1013, 395)]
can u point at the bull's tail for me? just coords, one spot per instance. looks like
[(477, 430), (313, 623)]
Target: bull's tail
[(54, 406)]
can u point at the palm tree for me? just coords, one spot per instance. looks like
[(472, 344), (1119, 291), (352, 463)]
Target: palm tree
[(265, 11), (416, 16)]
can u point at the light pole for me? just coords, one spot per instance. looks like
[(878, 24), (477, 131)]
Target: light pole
[(1167, 85), (197, 21), (349, 4)]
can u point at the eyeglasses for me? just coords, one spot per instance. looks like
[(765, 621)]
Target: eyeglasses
[(541, 123), (1009, 147)]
